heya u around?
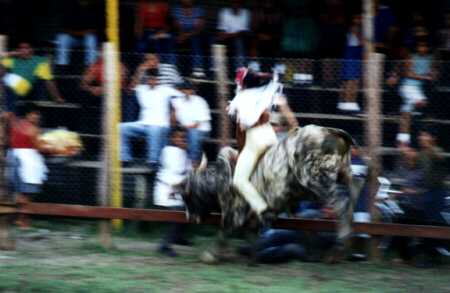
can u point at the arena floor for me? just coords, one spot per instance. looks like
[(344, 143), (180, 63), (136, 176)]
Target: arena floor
[(65, 257)]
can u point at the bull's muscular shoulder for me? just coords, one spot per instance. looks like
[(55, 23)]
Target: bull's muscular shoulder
[(327, 139)]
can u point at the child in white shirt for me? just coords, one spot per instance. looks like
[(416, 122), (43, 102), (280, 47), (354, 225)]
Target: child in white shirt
[(174, 166)]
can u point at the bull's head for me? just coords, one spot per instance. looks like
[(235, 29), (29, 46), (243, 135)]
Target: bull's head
[(199, 195)]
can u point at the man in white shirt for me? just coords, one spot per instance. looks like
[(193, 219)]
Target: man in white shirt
[(154, 119), (167, 73), (193, 113), (233, 26)]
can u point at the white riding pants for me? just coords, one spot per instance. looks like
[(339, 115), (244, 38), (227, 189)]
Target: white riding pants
[(257, 140)]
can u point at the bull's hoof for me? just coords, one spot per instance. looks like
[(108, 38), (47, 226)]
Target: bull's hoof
[(209, 258), (267, 218), (336, 255)]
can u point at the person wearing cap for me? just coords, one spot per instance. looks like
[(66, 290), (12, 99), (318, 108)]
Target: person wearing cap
[(282, 118), (154, 119), (250, 107), (192, 112)]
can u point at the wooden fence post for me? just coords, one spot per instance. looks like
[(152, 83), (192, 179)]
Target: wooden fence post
[(7, 241), (372, 82), (104, 187), (220, 68)]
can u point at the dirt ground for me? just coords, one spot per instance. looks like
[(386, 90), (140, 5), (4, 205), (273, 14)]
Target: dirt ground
[(66, 257)]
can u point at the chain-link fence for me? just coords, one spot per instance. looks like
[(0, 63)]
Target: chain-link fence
[(327, 92)]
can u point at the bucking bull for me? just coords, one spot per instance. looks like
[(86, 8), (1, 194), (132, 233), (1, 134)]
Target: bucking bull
[(311, 162)]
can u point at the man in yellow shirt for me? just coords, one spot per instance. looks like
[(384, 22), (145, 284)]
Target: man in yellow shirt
[(19, 70)]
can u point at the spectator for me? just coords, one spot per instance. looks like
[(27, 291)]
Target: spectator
[(444, 37), (192, 112), (408, 172), (266, 24), (361, 213), (154, 119), (153, 29), (332, 29), (25, 166), (189, 23), (81, 23), (282, 119), (418, 70), (299, 32), (234, 26), (92, 83), (23, 69), (417, 31), (351, 70), (6, 17), (424, 199), (406, 207), (432, 165), (167, 73), (384, 27), (174, 166)]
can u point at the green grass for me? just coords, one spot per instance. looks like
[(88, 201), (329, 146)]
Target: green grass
[(59, 263)]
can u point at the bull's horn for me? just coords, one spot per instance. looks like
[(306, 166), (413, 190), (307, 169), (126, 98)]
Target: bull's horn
[(203, 163)]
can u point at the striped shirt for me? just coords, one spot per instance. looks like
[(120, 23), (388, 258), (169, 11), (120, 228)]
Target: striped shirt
[(167, 75)]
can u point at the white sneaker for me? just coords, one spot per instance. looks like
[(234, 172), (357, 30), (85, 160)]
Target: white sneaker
[(280, 68), (198, 72), (348, 106), (404, 138), (255, 66)]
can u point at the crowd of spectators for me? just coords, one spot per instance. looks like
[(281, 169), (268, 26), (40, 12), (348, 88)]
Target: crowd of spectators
[(156, 99)]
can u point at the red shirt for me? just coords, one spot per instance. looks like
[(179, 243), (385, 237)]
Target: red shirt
[(154, 15), (97, 73), (20, 135)]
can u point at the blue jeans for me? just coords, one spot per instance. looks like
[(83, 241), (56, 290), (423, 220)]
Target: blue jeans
[(10, 100), (195, 139), (196, 51), (130, 107), (163, 47), (156, 140), (65, 42), (278, 245), (197, 59)]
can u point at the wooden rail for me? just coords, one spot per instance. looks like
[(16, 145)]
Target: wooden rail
[(94, 212)]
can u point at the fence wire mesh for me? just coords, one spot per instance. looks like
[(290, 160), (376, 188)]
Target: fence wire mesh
[(318, 91)]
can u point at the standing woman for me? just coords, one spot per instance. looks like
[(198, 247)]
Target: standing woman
[(251, 107), (25, 167), (351, 68)]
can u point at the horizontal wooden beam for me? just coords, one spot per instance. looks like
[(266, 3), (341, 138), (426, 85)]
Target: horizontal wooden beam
[(65, 210), (7, 208)]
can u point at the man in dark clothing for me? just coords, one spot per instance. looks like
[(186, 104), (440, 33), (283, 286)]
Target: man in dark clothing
[(432, 164)]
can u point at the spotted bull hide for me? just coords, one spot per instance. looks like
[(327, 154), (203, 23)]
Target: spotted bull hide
[(311, 162)]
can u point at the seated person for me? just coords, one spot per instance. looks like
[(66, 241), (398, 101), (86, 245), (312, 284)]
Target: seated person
[(92, 83), (154, 119), (234, 25), (23, 69), (419, 69), (189, 23), (152, 29), (192, 112), (167, 73), (81, 23)]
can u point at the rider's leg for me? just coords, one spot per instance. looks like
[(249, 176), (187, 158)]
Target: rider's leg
[(258, 139)]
